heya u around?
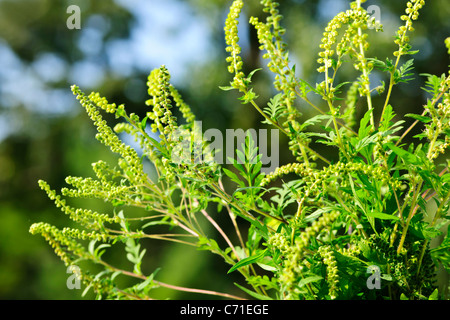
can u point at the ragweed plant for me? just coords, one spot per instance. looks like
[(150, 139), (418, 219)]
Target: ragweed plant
[(377, 206)]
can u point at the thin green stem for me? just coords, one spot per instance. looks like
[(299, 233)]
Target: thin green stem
[(437, 215), (410, 215), (365, 73), (169, 286)]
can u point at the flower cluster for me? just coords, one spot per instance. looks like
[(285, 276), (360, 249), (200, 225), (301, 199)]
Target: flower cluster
[(104, 172), (159, 89), (332, 271), (439, 113), (184, 108), (352, 251), (65, 247), (135, 170), (86, 235), (232, 39), (91, 188), (316, 227), (270, 38), (336, 170), (297, 168), (353, 42), (412, 14), (85, 217), (295, 254), (102, 102), (279, 241)]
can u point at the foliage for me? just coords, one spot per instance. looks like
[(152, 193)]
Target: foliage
[(380, 204)]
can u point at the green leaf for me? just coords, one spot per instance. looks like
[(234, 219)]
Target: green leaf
[(423, 119), (207, 244), (442, 252), (234, 177), (405, 155), (248, 96), (364, 127), (314, 120), (115, 274), (383, 216), (226, 88), (434, 295), (340, 85), (248, 80), (155, 223), (404, 74), (158, 146), (86, 290), (99, 253), (309, 280), (253, 294), (267, 267), (248, 260), (403, 297), (412, 52), (148, 281), (274, 109), (387, 117), (143, 123)]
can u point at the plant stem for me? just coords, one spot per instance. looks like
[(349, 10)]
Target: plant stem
[(391, 79), (365, 73), (219, 229), (437, 215), (233, 219), (162, 284), (411, 214)]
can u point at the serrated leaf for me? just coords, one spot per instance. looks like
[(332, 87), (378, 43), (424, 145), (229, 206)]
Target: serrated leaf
[(248, 96), (234, 177), (423, 119), (241, 157), (388, 115), (364, 127), (314, 120), (405, 155)]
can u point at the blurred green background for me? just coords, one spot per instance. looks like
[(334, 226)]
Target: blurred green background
[(44, 133)]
